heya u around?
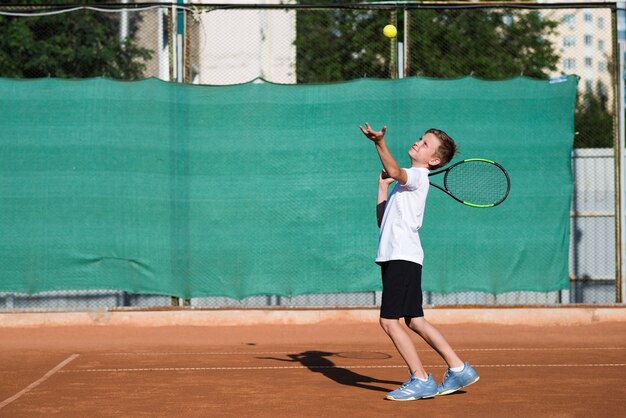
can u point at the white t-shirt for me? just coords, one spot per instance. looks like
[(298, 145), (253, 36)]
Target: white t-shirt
[(403, 216)]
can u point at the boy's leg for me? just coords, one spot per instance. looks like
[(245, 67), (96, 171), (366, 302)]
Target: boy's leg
[(420, 385), (404, 345), (452, 380), (401, 298), (435, 339)]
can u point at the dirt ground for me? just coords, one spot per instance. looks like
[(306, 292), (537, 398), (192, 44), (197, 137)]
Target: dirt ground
[(322, 370)]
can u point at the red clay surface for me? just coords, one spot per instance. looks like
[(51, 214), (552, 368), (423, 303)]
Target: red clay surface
[(324, 370)]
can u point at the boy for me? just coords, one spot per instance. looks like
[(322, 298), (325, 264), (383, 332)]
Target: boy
[(400, 256)]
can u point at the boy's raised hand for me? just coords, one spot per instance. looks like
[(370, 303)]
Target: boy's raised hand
[(372, 135), (384, 178)]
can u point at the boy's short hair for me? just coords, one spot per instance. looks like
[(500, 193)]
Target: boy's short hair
[(447, 149)]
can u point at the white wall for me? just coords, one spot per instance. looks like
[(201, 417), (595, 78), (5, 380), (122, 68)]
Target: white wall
[(238, 46)]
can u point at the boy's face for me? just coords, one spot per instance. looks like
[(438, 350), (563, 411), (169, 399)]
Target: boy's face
[(423, 153)]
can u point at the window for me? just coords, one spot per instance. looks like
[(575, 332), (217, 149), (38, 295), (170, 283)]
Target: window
[(569, 20), (600, 23), (600, 45), (588, 17), (569, 64), (588, 40), (588, 62), (569, 41), (602, 66)]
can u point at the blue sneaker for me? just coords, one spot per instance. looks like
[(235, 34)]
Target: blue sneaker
[(414, 389), (454, 381)]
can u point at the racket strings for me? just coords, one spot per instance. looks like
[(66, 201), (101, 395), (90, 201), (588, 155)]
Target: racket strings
[(477, 182)]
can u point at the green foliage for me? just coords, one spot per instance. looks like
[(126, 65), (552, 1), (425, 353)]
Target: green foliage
[(79, 44), (489, 44), (342, 44), (593, 122), (345, 44)]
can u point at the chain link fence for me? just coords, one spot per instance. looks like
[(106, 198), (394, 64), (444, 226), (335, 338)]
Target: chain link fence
[(319, 43)]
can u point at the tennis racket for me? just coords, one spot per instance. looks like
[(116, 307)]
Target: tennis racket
[(475, 182)]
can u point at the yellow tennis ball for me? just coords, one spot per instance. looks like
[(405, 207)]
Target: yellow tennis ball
[(390, 31)]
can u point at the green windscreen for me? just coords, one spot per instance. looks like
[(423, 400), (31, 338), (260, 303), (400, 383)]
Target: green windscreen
[(159, 188)]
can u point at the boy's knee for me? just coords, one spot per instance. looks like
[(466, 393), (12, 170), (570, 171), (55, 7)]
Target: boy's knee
[(383, 323), (417, 324), (387, 324)]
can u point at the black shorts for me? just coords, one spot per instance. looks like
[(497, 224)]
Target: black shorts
[(402, 289)]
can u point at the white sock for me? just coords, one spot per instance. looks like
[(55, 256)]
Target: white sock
[(420, 379), (457, 369)]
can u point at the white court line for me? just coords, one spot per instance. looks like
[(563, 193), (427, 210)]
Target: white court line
[(38, 382), (363, 350), (194, 369)]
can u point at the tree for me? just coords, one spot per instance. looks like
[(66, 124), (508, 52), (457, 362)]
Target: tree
[(345, 44), (488, 43), (593, 122), (341, 44), (79, 44)]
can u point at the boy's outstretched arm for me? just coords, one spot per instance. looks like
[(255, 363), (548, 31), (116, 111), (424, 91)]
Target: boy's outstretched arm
[(389, 163)]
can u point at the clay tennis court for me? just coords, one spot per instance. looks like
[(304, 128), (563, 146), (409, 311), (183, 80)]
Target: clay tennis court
[(326, 369)]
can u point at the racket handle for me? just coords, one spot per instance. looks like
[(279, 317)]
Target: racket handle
[(384, 175)]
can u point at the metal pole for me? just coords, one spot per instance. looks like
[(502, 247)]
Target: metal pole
[(175, 70), (619, 178), (405, 33), (171, 22), (263, 42), (162, 45), (393, 48), (180, 29), (124, 25), (400, 60), (619, 150), (180, 52), (179, 23)]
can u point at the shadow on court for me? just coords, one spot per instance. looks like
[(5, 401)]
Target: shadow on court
[(319, 362)]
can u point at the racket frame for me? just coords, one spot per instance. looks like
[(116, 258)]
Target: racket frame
[(473, 205)]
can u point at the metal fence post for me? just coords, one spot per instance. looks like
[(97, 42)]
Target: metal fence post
[(620, 31), (619, 170)]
